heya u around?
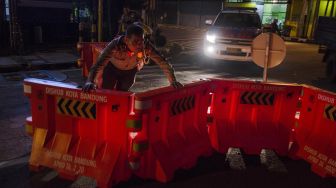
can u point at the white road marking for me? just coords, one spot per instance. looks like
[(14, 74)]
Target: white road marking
[(22, 160), (49, 176)]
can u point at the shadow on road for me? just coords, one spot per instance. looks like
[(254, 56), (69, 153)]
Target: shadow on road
[(324, 83), (236, 68), (215, 172)]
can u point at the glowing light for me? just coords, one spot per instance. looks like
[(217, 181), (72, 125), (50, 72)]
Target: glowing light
[(210, 49), (209, 110), (133, 134), (211, 38)]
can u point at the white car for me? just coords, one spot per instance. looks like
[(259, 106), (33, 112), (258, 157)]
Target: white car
[(230, 36)]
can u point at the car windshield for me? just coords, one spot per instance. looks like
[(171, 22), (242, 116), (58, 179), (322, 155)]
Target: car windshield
[(238, 20)]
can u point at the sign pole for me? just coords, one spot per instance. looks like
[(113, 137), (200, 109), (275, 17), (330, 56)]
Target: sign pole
[(268, 42)]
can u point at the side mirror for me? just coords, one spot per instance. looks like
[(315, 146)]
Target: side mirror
[(208, 22)]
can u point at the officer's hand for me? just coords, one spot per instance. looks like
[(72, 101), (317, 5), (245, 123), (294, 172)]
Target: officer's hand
[(88, 86), (176, 84)]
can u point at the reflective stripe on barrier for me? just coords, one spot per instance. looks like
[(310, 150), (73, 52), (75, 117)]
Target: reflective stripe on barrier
[(315, 131), (252, 116), (79, 133), (27, 89), (28, 127), (174, 131), (134, 124)]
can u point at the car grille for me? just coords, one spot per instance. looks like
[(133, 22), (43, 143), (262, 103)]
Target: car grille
[(243, 54), (234, 42)]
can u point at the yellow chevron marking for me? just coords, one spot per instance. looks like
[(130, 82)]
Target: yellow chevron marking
[(64, 107), (58, 108), (262, 97), (88, 108), (29, 129), (331, 113), (79, 108), (254, 98), (324, 111), (268, 98), (247, 98), (72, 109)]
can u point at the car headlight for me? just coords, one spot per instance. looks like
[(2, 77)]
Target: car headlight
[(211, 38), (210, 49)]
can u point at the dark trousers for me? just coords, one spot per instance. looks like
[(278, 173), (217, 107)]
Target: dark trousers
[(121, 80)]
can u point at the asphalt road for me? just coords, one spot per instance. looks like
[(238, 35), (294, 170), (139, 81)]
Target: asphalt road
[(235, 169)]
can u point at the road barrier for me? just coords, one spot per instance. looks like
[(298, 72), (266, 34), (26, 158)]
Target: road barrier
[(315, 131), (79, 133), (252, 115), (89, 52), (110, 135), (173, 128)]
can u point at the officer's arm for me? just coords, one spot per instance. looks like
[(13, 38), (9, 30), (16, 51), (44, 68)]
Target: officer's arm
[(164, 65), (100, 64), (101, 61)]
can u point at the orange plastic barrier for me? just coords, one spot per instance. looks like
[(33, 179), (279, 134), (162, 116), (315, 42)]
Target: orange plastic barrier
[(89, 52), (108, 135), (172, 132), (252, 116), (315, 131), (79, 133)]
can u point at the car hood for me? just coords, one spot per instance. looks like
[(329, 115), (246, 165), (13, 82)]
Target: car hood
[(235, 32)]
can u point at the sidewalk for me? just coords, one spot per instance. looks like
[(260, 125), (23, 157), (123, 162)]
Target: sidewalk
[(51, 59), (298, 39)]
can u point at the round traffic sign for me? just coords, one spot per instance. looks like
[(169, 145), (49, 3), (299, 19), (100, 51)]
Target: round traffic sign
[(268, 47)]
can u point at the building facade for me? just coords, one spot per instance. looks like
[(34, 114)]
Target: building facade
[(298, 15), (194, 13), (31, 22), (42, 23), (302, 15)]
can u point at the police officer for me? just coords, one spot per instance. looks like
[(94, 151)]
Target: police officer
[(122, 58), (275, 27)]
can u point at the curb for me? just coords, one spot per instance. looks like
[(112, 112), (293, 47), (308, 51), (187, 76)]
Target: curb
[(298, 39)]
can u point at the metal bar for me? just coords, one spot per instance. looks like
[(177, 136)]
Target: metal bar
[(326, 10), (291, 11), (310, 9), (317, 8), (178, 12), (332, 9), (11, 24), (268, 42), (200, 13), (100, 20)]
